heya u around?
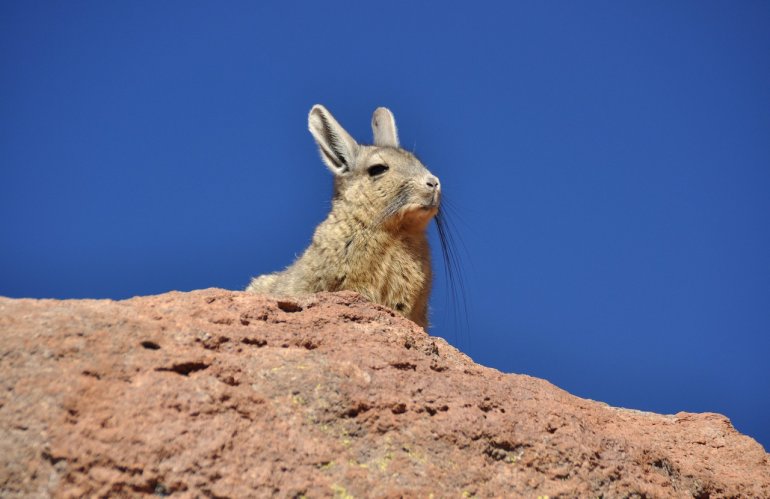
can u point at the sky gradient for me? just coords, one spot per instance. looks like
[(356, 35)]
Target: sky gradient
[(607, 165)]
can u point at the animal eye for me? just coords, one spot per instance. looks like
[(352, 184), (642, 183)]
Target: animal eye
[(375, 170)]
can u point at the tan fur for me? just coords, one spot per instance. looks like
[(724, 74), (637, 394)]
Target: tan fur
[(374, 239)]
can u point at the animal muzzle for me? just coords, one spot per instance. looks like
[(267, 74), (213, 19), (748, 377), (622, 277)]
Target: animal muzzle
[(434, 191)]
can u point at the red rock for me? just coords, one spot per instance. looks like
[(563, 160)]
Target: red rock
[(220, 393)]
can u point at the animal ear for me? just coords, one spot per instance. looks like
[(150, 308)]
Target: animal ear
[(338, 149), (384, 128)]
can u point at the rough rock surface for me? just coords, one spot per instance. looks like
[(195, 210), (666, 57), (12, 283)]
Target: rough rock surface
[(225, 394)]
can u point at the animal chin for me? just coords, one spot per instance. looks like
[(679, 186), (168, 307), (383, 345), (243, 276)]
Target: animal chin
[(431, 205), (422, 212), (417, 212)]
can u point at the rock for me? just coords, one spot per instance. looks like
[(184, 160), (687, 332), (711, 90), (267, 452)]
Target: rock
[(227, 394)]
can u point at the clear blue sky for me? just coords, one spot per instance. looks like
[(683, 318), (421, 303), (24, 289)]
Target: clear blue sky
[(608, 162)]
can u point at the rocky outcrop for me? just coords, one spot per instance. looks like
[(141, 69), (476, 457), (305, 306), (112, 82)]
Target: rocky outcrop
[(225, 394)]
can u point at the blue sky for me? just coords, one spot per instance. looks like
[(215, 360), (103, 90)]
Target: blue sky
[(608, 164)]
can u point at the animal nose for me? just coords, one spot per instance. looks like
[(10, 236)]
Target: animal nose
[(432, 182)]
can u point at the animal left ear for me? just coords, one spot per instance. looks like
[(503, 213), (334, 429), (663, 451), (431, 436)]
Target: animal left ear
[(384, 128), (338, 149)]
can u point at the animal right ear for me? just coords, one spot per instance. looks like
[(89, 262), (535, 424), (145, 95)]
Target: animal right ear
[(338, 149), (384, 128)]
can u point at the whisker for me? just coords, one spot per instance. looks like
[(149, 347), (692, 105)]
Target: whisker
[(453, 270), (454, 232), (449, 204)]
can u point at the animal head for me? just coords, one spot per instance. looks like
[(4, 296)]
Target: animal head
[(390, 185)]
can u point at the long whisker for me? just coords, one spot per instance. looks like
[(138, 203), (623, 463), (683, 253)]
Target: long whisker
[(453, 268), (450, 215)]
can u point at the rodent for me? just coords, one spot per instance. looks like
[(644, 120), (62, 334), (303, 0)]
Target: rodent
[(374, 240)]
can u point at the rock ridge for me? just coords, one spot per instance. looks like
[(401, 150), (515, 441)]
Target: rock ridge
[(216, 393)]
